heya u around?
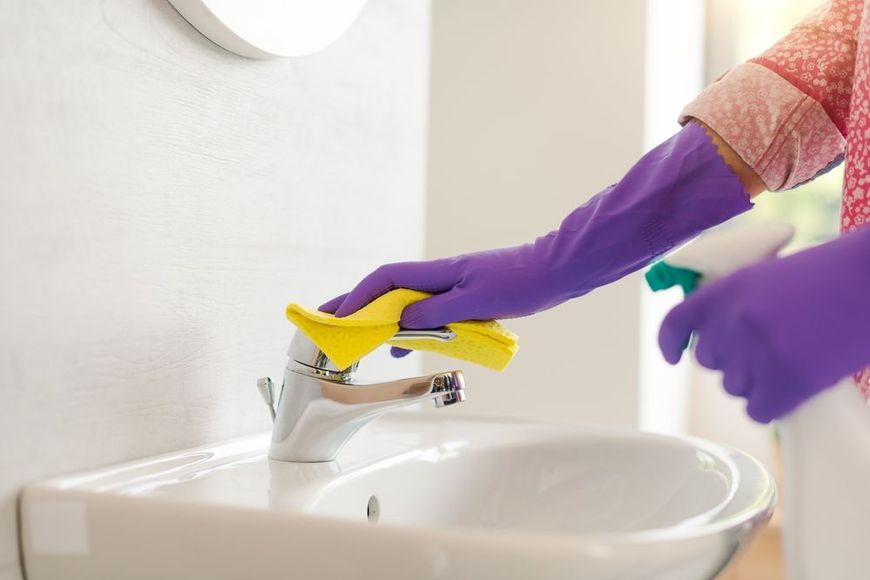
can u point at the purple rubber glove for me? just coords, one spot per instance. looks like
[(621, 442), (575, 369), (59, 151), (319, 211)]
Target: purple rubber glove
[(673, 193), (784, 329)]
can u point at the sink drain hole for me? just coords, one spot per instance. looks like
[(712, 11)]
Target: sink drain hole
[(373, 510)]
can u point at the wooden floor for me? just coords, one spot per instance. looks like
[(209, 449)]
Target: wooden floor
[(763, 560)]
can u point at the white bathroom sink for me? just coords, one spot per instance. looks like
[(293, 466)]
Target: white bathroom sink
[(411, 496)]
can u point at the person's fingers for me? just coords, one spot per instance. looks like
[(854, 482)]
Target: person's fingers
[(432, 276), (678, 325), (332, 305), (769, 401), (736, 382), (706, 353), (762, 410), (398, 352), (436, 311)]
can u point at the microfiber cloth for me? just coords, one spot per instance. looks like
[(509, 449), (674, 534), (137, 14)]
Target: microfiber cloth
[(346, 340)]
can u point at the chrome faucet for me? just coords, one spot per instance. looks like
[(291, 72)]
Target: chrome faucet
[(320, 406)]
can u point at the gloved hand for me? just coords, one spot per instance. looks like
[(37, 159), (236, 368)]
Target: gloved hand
[(784, 329), (674, 192)]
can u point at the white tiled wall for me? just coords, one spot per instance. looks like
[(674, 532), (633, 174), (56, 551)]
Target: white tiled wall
[(161, 200)]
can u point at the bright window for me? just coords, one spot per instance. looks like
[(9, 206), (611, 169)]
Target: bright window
[(737, 31)]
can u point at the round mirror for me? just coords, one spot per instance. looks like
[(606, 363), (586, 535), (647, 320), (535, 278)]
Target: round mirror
[(270, 28)]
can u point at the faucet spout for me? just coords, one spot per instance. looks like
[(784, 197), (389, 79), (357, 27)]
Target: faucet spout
[(320, 408)]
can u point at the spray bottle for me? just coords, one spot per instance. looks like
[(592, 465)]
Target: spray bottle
[(825, 442)]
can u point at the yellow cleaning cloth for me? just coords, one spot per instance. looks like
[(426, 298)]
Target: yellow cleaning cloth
[(346, 340)]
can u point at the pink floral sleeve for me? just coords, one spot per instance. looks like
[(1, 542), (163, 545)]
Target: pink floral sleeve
[(786, 111)]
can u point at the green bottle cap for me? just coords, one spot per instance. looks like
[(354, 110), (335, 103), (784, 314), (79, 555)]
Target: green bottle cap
[(662, 276)]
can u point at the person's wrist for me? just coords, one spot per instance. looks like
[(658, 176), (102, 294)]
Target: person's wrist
[(751, 181)]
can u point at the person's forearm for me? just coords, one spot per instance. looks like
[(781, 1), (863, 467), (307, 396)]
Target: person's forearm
[(673, 193), (750, 179)]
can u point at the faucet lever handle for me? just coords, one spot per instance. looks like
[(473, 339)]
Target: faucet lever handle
[(303, 351), (440, 334)]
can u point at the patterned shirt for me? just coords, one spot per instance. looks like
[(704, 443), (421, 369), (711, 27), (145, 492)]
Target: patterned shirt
[(801, 108)]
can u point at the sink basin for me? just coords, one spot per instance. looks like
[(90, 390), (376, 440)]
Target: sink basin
[(411, 496)]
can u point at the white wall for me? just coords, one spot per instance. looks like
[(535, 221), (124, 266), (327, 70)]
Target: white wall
[(675, 58), (161, 200), (536, 106)]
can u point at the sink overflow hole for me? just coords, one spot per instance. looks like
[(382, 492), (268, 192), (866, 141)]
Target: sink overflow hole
[(373, 510)]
